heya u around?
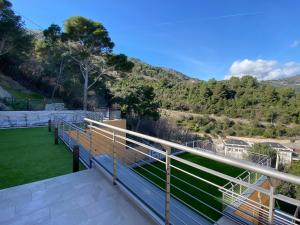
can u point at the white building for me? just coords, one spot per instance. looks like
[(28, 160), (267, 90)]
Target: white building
[(284, 153), (235, 148), (239, 149)]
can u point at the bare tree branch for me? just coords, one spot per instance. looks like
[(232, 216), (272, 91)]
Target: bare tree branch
[(103, 72)]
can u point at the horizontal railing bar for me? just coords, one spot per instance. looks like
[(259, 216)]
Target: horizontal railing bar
[(219, 200), (207, 205), (157, 187), (136, 150), (102, 130), (229, 161), (134, 142), (276, 218), (221, 175), (110, 138), (211, 183), (266, 213), (71, 129), (287, 199), (199, 212)]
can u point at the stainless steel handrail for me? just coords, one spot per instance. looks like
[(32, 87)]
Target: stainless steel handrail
[(229, 161)]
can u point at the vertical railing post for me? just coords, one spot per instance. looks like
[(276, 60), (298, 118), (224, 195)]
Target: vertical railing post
[(114, 159), (49, 125), (63, 129), (56, 135), (168, 187), (232, 193), (90, 147), (241, 191), (277, 161), (77, 136), (271, 201), (69, 135), (76, 158)]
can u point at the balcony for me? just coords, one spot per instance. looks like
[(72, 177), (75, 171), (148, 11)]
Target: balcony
[(138, 179)]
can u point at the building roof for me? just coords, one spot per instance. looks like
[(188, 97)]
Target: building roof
[(275, 145), (235, 142)]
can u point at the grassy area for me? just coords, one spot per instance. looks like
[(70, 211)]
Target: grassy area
[(29, 154), (229, 170), (25, 95)]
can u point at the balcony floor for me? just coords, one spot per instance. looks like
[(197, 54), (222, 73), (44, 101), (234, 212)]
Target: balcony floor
[(86, 197)]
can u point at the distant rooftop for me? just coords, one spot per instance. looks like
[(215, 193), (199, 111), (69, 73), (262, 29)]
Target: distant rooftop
[(235, 142), (275, 145)]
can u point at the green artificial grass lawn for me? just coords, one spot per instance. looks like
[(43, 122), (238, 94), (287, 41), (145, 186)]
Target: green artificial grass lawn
[(194, 193), (29, 154)]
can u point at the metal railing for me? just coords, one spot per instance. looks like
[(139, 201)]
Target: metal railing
[(247, 176), (202, 145), (182, 189), (250, 177)]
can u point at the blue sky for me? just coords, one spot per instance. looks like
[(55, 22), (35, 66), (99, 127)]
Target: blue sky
[(203, 39)]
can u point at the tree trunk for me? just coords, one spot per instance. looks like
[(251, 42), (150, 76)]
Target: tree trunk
[(57, 80), (138, 123), (85, 90), (2, 44)]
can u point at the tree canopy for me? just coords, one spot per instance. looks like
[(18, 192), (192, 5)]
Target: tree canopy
[(13, 36), (139, 102)]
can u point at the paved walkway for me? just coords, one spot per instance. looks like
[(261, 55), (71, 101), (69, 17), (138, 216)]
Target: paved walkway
[(84, 198)]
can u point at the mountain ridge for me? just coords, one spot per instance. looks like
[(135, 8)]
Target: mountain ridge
[(293, 82)]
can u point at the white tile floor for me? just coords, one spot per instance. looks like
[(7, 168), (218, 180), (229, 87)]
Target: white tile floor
[(86, 197)]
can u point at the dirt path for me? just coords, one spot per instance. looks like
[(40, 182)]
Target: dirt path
[(174, 115), (178, 114)]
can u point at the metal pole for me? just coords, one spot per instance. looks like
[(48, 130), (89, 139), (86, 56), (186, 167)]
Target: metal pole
[(77, 136), (75, 158), (63, 130), (168, 187), (90, 148), (271, 202), (56, 135), (49, 125), (277, 161), (240, 189), (114, 160)]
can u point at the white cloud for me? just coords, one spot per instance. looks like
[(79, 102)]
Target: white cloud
[(263, 69), (295, 44)]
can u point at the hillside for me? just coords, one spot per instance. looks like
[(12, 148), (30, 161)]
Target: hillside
[(76, 63), (142, 69), (293, 82)]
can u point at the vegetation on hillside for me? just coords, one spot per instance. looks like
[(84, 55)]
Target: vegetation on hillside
[(237, 98), (288, 189), (227, 127), (77, 64)]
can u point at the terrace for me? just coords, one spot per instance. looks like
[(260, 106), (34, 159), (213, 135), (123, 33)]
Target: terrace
[(133, 178)]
